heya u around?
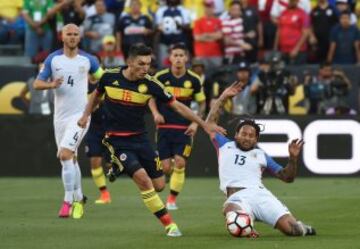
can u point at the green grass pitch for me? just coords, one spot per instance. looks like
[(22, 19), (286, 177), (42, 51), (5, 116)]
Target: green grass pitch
[(29, 206)]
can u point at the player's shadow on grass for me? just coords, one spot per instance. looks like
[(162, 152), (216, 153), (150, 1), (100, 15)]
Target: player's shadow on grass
[(273, 236)]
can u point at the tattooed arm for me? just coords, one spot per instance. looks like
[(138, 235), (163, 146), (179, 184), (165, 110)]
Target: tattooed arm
[(288, 173), (229, 92)]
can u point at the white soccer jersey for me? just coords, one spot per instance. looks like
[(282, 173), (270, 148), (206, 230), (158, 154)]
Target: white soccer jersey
[(71, 96), (239, 168)]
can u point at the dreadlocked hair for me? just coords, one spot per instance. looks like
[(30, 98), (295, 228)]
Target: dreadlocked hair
[(250, 122)]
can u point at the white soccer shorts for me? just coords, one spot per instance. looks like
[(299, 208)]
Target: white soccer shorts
[(260, 203), (68, 134)]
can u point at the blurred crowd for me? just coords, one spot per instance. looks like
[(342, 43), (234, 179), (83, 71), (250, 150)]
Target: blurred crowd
[(218, 33), (270, 88), (215, 31)]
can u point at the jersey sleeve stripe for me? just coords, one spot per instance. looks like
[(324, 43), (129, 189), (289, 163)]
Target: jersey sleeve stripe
[(46, 72), (192, 73), (271, 165), (220, 140), (154, 80), (158, 74), (200, 97), (98, 73)]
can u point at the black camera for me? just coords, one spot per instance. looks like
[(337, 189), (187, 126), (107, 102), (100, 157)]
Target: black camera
[(339, 87)]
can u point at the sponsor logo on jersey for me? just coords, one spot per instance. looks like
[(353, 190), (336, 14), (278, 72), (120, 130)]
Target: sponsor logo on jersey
[(82, 69), (167, 94), (115, 83), (123, 157), (187, 84), (142, 88)]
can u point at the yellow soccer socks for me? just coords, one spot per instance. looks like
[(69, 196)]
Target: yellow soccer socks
[(177, 180), (156, 206), (100, 181), (99, 177)]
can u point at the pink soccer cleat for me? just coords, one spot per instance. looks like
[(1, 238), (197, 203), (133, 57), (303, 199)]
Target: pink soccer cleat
[(65, 210)]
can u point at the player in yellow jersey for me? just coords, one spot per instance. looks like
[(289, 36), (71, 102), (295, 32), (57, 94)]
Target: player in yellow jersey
[(174, 132)]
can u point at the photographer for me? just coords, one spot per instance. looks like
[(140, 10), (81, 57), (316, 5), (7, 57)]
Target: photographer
[(317, 88), (276, 85), (328, 89), (339, 89), (245, 101)]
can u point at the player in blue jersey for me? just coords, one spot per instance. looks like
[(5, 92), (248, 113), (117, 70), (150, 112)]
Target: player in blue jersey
[(174, 132), (127, 91), (66, 71), (241, 164)]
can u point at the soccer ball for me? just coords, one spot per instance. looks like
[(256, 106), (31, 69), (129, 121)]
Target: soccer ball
[(239, 224)]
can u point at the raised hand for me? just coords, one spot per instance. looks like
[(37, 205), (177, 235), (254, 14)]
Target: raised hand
[(212, 128), (295, 148), (233, 89)]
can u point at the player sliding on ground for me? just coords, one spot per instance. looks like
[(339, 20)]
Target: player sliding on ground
[(241, 165)]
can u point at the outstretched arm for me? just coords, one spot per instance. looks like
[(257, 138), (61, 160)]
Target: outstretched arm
[(187, 113), (288, 173), (229, 92)]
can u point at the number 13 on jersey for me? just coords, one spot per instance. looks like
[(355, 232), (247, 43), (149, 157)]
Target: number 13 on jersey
[(239, 160)]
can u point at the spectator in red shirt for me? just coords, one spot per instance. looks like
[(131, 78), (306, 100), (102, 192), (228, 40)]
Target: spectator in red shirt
[(207, 36), (233, 35), (292, 34), (268, 26)]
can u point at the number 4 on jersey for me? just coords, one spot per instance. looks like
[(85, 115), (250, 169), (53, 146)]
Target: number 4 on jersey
[(76, 137), (70, 81)]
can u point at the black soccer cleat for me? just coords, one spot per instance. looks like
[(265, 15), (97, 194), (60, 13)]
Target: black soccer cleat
[(84, 200), (310, 231), (306, 229)]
